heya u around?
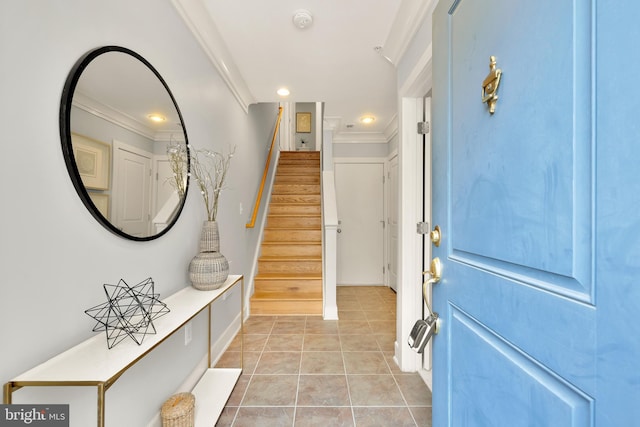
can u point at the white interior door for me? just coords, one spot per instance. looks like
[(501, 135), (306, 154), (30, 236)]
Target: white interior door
[(132, 189), (392, 223), (359, 195)]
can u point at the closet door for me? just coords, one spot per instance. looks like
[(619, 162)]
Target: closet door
[(359, 194)]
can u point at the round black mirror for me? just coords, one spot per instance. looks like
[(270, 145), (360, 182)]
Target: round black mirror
[(124, 143)]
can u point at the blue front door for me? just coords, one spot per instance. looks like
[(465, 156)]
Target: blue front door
[(539, 206)]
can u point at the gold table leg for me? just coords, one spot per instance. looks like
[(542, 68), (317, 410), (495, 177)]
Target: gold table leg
[(8, 388), (100, 405)]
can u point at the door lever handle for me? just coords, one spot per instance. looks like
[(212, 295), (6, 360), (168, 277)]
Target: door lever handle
[(423, 330), (435, 271)]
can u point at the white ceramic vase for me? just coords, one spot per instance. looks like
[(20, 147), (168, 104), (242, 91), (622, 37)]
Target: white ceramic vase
[(209, 269)]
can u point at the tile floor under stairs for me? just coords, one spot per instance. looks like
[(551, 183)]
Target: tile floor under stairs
[(305, 371)]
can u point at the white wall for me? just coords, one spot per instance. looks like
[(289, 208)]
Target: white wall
[(308, 138), (54, 257)]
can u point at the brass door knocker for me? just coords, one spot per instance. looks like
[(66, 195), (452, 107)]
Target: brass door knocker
[(490, 85)]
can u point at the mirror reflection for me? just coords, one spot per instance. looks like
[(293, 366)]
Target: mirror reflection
[(124, 143)]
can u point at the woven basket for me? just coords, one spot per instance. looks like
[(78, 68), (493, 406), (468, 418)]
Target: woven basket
[(179, 410)]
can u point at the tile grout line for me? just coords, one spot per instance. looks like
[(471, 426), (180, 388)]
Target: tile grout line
[(244, 394), (346, 377), (295, 404)]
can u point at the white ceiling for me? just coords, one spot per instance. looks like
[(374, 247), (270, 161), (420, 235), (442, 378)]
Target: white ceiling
[(258, 49), (119, 88)]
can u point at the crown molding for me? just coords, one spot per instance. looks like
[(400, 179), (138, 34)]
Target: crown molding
[(420, 78), (123, 120), (333, 123), (198, 19), (410, 16), (111, 115), (359, 138)]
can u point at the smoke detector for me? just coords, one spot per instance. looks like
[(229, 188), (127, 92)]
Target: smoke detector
[(302, 19)]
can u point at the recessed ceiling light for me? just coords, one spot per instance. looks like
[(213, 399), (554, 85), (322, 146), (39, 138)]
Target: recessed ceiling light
[(156, 118), (367, 119), (283, 91)]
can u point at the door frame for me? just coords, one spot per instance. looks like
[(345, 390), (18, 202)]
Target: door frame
[(427, 245), (409, 300)]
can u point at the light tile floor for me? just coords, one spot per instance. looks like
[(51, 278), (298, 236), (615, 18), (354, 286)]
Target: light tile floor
[(305, 371)]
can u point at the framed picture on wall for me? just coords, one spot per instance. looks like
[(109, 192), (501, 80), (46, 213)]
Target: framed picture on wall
[(93, 159), (303, 122), (101, 202)]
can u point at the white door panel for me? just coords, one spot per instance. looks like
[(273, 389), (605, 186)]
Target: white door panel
[(392, 222), (131, 201), (359, 194)]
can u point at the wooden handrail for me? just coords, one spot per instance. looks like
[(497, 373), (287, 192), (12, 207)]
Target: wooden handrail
[(256, 206)]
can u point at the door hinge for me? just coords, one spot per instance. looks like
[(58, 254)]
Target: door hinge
[(423, 128), (422, 228), (383, 270)]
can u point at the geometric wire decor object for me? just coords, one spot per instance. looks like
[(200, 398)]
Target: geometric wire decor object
[(129, 311)]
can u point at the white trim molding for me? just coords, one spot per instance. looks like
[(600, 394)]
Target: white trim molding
[(408, 20), (198, 19), (360, 138)]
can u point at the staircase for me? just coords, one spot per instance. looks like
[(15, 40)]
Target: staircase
[(289, 277)]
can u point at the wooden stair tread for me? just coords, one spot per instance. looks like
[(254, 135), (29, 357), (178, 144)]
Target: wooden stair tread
[(295, 199), (287, 235), (290, 258), (302, 199), (289, 276), (293, 242), (297, 228), (284, 299), (299, 173), (295, 215), (291, 229), (286, 308), (293, 203)]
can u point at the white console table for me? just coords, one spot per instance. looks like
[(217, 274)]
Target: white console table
[(91, 363)]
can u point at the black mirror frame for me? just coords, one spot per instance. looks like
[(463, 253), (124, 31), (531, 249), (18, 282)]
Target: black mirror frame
[(67, 148)]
